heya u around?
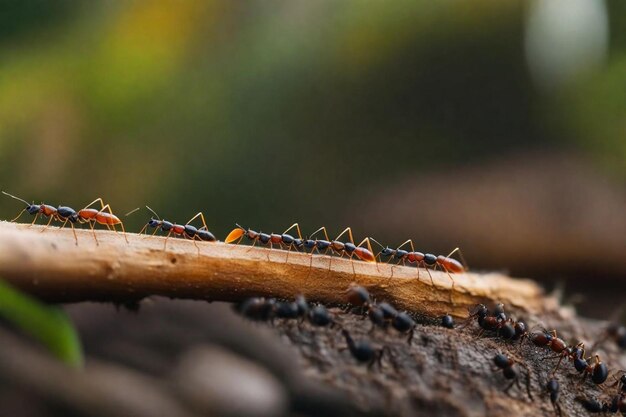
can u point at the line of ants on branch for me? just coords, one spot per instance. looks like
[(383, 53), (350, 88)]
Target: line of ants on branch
[(494, 323), (310, 244)]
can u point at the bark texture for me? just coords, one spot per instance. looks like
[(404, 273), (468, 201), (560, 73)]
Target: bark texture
[(193, 358)]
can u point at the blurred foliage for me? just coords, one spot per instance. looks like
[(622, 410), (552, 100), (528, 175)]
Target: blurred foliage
[(270, 112), (49, 325)]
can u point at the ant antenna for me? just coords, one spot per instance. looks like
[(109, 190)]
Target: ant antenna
[(17, 198), (131, 212), (377, 242), (239, 226), (153, 212)]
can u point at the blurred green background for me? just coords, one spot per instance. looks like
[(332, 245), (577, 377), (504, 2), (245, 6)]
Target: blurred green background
[(495, 126)]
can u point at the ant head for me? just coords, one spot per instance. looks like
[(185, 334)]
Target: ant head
[(386, 250), (153, 222), (30, 208), (480, 310), (501, 360)]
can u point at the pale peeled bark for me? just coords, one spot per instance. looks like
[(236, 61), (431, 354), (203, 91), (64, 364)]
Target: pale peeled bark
[(50, 265)]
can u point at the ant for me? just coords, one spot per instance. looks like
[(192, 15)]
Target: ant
[(447, 321), (257, 308), (61, 213), (598, 370), (283, 239), (381, 314), (425, 260), (363, 351), (349, 248), (616, 405), (93, 216), (319, 316), (403, 323), (505, 327), (552, 387), (186, 230), (357, 296), (296, 309), (509, 370), (574, 353)]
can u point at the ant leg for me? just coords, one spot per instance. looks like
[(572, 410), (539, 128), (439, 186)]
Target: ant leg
[(323, 229), (73, 231), (351, 239), (34, 220), (506, 390), (92, 225), (95, 201), (410, 339), (429, 274), (166, 237), (297, 226), (451, 288), (52, 217), (530, 394), (109, 226), (19, 215)]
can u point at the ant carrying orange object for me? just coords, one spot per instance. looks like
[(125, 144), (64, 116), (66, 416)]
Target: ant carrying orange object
[(282, 240)]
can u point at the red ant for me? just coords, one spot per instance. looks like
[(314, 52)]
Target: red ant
[(425, 260), (93, 216), (598, 371), (341, 248), (186, 230), (283, 239), (61, 213)]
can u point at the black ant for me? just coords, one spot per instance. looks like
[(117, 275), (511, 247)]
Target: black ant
[(188, 231), (257, 308), (363, 351), (61, 213), (509, 370), (271, 239), (320, 316), (447, 321), (323, 246), (403, 323), (552, 387), (381, 314), (616, 405), (292, 310)]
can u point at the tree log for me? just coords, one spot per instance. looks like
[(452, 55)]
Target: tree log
[(50, 264)]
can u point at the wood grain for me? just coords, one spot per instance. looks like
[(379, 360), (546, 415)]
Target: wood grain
[(49, 264)]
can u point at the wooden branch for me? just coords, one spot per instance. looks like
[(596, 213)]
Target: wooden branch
[(48, 264)]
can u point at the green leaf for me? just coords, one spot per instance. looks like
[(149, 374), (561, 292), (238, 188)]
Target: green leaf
[(49, 325)]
